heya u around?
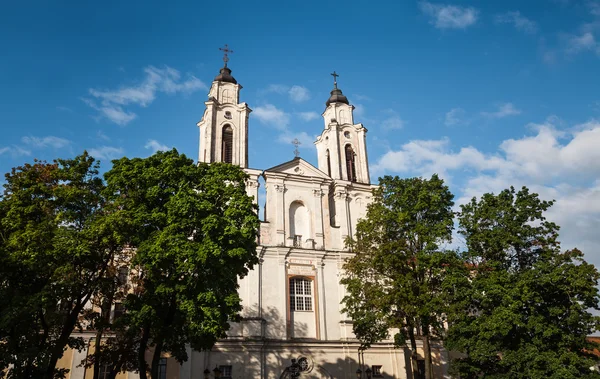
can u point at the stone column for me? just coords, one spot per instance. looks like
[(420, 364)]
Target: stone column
[(341, 213), (322, 299), (318, 219), (280, 214)]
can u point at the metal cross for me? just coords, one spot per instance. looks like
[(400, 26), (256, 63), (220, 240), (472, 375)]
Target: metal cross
[(225, 50), (296, 143), (335, 75)]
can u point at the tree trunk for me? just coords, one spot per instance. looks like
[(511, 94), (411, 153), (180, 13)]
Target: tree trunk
[(413, 346), (62, 341), (427, 354), (142, 352), (156, 358), (97, 348)]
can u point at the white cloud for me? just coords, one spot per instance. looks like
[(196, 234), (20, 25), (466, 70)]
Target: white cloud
[(155, 146), (454, 117), (296, 93), (64, 109), (594, 7), (48, 141), (449, 16), (519, 21), (299, 94), (361, 97), (392, 123), (306, 141), (102, 136), (166, 80), (504, 110), (308, 116), (14, 151), (558, 164), (584, 42), (106, 152), (277, 88), (273, 116)]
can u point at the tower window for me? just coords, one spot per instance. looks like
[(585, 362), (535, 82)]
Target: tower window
[(328, 163), (350, 163), (301, 294), (228, 115), (227, 145)]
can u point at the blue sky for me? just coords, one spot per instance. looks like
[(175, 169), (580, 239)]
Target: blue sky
[(487, 94)]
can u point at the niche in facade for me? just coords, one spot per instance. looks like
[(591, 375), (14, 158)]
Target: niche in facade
[(299, 223)]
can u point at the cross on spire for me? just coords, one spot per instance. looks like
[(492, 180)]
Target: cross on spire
[(335, 75), (296, 143), (225, 51)]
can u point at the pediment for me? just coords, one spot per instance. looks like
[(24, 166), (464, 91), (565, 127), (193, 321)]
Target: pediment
[(300, 167)]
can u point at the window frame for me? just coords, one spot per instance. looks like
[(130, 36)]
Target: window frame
[(224, 369), (227, 143), (304, 291), (350, 157)]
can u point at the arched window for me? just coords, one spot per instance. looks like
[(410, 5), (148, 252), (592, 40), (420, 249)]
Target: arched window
[(299, 223), (350, 164), (328, 163), (301, 293), (227, 145)]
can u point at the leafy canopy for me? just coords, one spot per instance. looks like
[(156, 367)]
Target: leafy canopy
[(524, 313), (194, 230)]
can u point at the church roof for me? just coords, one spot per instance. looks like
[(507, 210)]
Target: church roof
[(299, 167), (225, 76), (337, 97)]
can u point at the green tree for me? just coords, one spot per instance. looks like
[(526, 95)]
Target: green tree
[(194, 233), (525, 312), (56, 243), (398, 275)]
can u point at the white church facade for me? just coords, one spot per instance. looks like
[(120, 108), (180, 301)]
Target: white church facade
[(292, 298)]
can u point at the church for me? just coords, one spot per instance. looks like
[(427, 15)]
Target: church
[(291, 299)]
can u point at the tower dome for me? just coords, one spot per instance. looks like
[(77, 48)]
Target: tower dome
[(336, 94)]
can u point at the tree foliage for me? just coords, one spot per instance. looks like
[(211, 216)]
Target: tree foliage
[(185, 232), (56, 243), (194, 230), (525, 310), (399, 273)]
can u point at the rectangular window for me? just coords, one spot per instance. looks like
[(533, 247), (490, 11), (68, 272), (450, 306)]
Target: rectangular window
[(123, 275), (377, 373), (225, 372), (301, 294), (104, 371), (162, 368), (421, 368), (118, 312)]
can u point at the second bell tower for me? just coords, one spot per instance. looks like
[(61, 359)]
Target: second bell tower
[(224, 125)]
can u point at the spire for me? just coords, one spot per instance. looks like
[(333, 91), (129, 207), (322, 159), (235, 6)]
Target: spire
[(336, 93), (225, 72)]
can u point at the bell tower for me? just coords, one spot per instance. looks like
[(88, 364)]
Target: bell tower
[(341, 147), (224, 125)]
